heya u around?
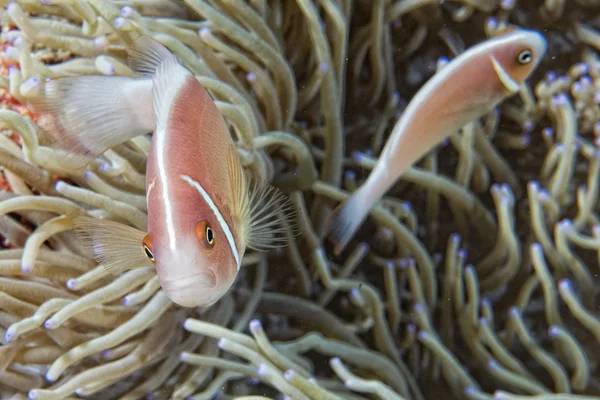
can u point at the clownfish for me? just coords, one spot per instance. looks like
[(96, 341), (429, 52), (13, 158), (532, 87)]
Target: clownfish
[(204, 210), (468, 87)]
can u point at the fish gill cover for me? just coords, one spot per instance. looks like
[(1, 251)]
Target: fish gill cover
[(474, 278)]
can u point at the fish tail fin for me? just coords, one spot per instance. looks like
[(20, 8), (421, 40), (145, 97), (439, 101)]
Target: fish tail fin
[(86, 115), (115, 246), (348, 217)]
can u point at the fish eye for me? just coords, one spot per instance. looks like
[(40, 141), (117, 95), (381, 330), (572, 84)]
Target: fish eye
[(147, 245), (210, 238), (525, 57), (205, 234)]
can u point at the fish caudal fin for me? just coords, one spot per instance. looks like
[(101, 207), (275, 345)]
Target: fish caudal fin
[(264, 216), (348, 217), (117, 247), (145, 55), (87, 115)]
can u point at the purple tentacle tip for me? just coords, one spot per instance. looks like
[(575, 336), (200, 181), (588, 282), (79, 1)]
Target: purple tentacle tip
[(255, 324), (8, 337), (71, 284), (289, 374), (251, 76), (554, 331), (536, 247), (119, 22), (324, 66), (32, 394), (49, 324), (565, 284), (204, 31), (507, 4), (126, 11), (358, 156), (87, 174), (559, 99)]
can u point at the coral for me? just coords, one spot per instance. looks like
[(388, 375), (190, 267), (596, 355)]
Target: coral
[(473, 278)]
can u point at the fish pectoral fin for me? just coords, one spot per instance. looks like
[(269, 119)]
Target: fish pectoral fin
[(509, 83), (87, 115), (145, 55), (265, 217), (115, 246)]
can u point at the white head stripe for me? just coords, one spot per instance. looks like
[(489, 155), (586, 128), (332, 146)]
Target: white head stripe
[(218, 215)]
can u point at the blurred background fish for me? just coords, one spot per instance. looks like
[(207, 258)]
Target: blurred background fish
[(203, 209), (468, 87)]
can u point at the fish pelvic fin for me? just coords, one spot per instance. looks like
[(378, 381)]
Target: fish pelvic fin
[(509, 83), (265, 218), (347, 218), (87, 115), (115, 246), (145, 55)]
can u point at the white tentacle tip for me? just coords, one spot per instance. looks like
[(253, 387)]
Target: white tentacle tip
[(60, 186)]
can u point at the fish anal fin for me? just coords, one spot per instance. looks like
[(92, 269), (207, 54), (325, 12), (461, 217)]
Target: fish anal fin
[(115, 246), (145, 55), (264, 215)]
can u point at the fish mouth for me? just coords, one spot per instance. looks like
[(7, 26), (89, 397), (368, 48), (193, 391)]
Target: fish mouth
[(201, 280)]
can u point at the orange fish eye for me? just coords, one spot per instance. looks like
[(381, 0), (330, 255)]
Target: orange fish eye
[(205, 234), (525, 57), (147, 244)]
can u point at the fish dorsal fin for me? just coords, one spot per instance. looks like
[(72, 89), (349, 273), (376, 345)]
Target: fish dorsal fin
[(146, 54), (263, 215), (167, 82), (507, 29), (509, 83), (115, 246)]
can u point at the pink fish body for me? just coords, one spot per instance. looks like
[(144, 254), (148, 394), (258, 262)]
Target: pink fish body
[(465, 89), (203, 209)]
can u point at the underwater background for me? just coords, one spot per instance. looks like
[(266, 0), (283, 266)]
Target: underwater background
[(474, 278)]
